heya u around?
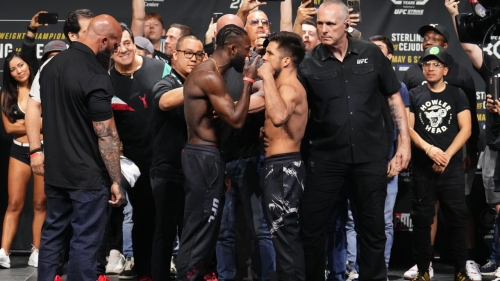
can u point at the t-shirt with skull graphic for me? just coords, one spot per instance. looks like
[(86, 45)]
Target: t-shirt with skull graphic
[(436, 117)]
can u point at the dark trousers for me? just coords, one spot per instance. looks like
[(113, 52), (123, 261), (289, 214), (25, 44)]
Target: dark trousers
[(141, 198), (204, 170), (83, 211), (323, 189), (282, 182), (112, 237), (244, 175), (448, 188), (169, 202)]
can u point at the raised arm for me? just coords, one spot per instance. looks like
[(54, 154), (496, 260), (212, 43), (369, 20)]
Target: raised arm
[(257, 100), (303, 13), (280, 102), (138, 17), (246, 7), (473, 51), (233, 114), (286, 16)]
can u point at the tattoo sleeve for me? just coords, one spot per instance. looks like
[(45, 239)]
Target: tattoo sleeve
[(109, 147)]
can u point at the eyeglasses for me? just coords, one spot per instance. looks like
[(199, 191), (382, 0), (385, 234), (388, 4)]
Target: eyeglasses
[(433, 39), (256, 22), (435, 64), (189, 54)]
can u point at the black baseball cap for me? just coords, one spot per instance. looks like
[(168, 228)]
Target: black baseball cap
[(435, 52), (436, 28)]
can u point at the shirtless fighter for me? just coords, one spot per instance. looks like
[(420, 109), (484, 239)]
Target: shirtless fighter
[(202, 162), (283, 175)]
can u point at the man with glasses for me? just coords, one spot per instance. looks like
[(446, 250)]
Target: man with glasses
[(133, 79), (458, 76), (439, 127), (258, 27), (170, 136)]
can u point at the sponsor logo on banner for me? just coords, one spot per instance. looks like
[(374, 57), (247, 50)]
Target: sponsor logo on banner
[(12, 41), (153, 3), (402, 222), (493, 48), (407, 50), (409, 7)]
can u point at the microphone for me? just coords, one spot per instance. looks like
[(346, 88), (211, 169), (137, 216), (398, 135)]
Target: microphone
[(480, 10)]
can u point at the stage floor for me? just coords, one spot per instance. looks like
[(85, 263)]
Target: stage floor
[(20, 271)]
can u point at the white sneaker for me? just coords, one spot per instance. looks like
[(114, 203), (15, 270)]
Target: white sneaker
[(473, 270), (497, 272), (412, 272), (116, 262), (33, 260), (4, 259), (353, 275)]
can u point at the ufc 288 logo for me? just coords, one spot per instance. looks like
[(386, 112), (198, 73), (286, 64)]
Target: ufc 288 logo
[(235, 4)]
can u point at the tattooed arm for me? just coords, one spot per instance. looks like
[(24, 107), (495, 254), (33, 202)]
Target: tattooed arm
[(109, 147), (398, 113)]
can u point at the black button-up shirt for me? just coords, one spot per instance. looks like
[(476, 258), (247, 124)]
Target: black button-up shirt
[(346, 123)]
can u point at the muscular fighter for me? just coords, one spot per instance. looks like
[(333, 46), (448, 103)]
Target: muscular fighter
[(202, 162), (282, 178)]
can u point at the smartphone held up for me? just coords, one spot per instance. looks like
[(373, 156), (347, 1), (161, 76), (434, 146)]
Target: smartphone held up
[(48, 18)]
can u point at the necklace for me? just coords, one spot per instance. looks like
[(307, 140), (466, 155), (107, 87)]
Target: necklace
[(216, 67), (131, 74)]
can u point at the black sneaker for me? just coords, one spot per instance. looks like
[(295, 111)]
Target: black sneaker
[(462, 276), (128, 269), (423, 276), (489, 268)]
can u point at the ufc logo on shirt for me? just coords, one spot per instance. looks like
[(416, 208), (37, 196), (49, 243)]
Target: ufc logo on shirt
[(215, 208), (362, 61)]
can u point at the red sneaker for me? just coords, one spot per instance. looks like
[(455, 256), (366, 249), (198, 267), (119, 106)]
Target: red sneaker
[(58, 278), (145, 278), (211, 277), (103, 278)]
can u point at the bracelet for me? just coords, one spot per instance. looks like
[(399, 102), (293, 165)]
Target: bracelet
[(39, 149), (32, 29), (429, 149), (248, 79), (35, 154)]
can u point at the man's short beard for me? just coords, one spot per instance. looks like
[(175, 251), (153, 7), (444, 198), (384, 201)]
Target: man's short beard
[(238, 63), (277, 72), (104, 57)]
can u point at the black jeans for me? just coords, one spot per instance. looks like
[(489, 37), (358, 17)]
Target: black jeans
[(448, 188), (204, 170), (141, 198), (323, 189), (169, 202), (282, 183)]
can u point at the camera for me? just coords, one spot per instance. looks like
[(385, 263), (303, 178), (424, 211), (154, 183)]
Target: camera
[(476, 28)]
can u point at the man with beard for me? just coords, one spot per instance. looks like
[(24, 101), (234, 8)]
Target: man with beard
[(76, 91), (202, 162), (133, 79), (243, 155), (283, 174), (170, 136)]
